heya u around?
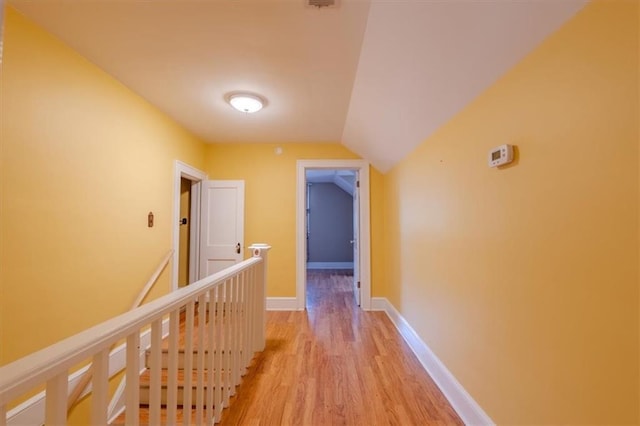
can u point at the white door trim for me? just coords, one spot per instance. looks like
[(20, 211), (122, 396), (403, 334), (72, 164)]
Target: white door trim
[(362, 167), (183, 170), (195, 222)]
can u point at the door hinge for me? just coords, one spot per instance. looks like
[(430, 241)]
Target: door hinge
[(357, 184), (358, 284)]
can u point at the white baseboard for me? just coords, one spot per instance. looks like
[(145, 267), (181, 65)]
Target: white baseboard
[(329, 265), (466, 407), (379, 304), (31, 411), (282, 304)]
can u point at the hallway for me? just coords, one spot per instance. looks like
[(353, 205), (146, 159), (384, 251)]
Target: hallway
[(335, 364)]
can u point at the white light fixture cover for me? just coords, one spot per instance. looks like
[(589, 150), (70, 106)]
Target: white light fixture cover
[(245, 102)]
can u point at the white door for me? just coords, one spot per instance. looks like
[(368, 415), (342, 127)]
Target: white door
[(356, 241), (222, 238)]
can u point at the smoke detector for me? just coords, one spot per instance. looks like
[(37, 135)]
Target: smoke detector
[(321, 3)]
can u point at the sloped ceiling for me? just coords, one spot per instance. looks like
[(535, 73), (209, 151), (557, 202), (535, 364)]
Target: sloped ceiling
[(343, 179), (378, 76), (422, 62)]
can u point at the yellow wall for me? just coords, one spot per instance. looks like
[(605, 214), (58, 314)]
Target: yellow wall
[(270, 199), (83, 162), (379, 279), (524, 280)]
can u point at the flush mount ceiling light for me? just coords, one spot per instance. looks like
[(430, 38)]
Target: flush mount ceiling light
[(245, 102)]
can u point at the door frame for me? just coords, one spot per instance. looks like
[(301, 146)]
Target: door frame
[(362, 167), (184, 170)]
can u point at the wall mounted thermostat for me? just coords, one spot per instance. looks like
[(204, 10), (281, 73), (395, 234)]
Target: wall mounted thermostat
[(500, 155)]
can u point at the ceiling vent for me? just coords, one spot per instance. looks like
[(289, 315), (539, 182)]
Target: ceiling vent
[(321, 3)]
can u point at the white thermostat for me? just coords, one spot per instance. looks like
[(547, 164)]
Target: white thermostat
[(500, 155)]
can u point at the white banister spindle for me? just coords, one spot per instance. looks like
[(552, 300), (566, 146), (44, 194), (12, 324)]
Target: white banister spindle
[(172, 367), (257, 319), (244, 326), (132, 390), (100, 388), (261, 321), (241, 330), (247, 326), (238, 351), (232, 336), (56, 401), (155, 382), (202, 314), (188, 360), (226, 378), (229, 345), (251, 310), (207, 349), (237, 342), (211, 347), (240, 319), (217, 361)]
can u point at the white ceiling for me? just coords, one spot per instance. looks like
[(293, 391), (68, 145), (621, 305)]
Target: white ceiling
[(379, 77)]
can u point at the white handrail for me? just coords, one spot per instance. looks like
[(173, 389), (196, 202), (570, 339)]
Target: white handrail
[(49, 364)]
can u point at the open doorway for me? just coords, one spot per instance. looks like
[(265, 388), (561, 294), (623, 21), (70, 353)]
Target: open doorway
[(331, 234), (186, 229), (349, 253), (184, 252)]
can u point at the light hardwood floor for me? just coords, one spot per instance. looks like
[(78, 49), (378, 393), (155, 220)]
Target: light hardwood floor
[(336, 365)]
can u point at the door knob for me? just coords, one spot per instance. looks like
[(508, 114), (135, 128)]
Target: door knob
[(238, 247)]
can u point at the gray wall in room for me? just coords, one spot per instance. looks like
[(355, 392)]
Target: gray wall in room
[(330, 224)]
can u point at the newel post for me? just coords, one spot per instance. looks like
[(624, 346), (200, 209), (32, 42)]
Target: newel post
[(261, 250)]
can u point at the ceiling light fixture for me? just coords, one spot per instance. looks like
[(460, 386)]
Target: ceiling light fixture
[(245, 102)]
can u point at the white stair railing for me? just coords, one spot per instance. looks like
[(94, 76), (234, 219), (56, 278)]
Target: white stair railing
[(229, 329)]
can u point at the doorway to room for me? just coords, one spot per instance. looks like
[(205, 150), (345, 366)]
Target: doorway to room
[(331, 237), (186, 219), (333, 230), (185, 226)]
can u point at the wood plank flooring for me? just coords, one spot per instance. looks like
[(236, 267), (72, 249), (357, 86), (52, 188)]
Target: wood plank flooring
[(336, 365)]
